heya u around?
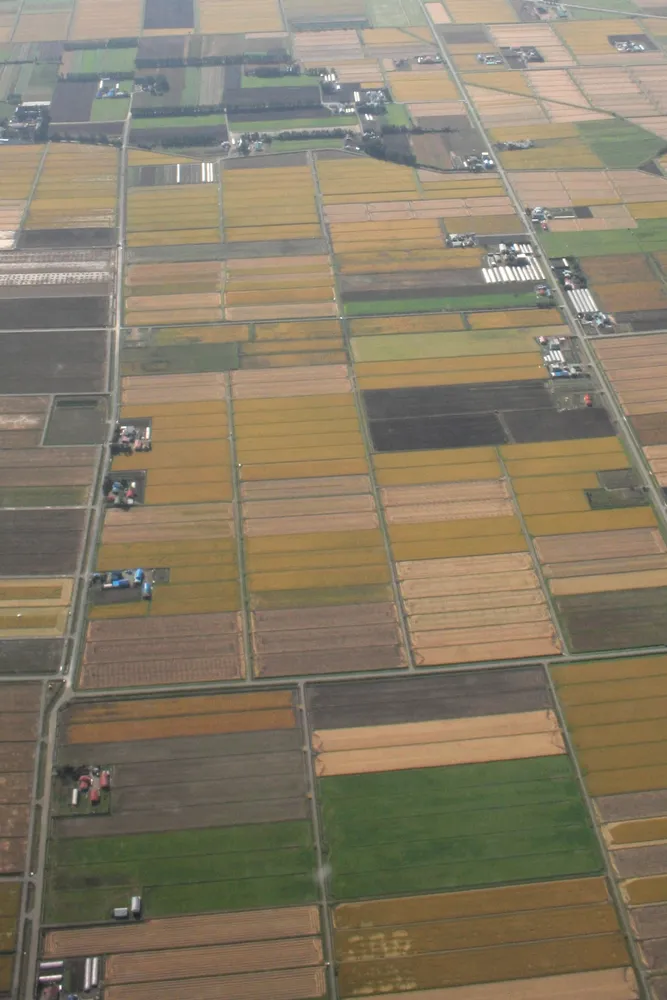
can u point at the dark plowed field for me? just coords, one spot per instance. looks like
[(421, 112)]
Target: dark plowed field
[(384, 702), (30, 656), (617, 620), (40, 541), (63, 361), (475, 415), (192, 747), (651, 428), (437, 432), (547, 425), (35, 239), (169, 14), (54, 314), (72, 101)]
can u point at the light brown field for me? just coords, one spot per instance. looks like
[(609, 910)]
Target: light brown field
[(185, 932), (329, 741), (600, 545), (611, 984), (296, 984), (212, 960), (465, 751)]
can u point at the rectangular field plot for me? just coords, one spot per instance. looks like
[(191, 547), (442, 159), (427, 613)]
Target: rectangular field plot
[(316, 566), (274, 952), (437, 350), (269, 204), (207, 809), (596, 538), (19, 732), (614, 710), (279, 288), (636, 366), (464, 782), (173, 215), (76, 189), (10, 902), (550, 939), (476, 414)]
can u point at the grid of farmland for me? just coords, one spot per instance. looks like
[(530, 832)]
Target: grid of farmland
[(367, 732)]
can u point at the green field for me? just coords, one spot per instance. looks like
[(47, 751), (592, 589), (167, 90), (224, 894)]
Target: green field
[(452, 303), (178, 121), (255, 82), (297, 124), (287, 146), (183, 872), (112, 109), (397, 114), (602, 10), (650, 234), (104, 60), (395, 13), (456, 827), (180, 360), (619, 143), (43, 496)]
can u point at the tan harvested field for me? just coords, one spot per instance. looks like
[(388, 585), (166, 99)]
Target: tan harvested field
[(91, 21), (213, 960), (600, 545), (185, 932), (463, 751), (301, 381), (93, 171), (606, 581), (329, 741), (607, 984), (463, 609), (296, 488), (295, 984), (172, 388)]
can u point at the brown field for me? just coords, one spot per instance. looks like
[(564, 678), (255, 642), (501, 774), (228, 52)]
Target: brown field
[(189, 726), (213, 960), (185, 932), (327, 486), (296, 984), (453, 969), (478, 902), (13, 848), (612, 984), (144, 390), (508, 927), (468, 606), (175, 707), (600, 545), (473, 751)]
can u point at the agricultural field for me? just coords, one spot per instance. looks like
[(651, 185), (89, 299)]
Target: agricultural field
[(469, 787), (613, 710), (208, 812), (19, 732)]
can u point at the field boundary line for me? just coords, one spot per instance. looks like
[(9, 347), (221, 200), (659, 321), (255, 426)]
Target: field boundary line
[(323, 874), (533, 555), (240, 543)]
